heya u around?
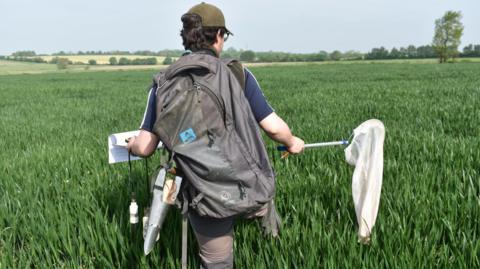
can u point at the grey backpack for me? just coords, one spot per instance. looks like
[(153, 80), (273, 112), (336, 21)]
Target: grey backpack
[(206, 123)]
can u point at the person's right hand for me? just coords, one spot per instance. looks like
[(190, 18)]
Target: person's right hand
[(296, 145)]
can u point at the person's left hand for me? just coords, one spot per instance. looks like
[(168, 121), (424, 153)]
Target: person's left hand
[(131, 142)]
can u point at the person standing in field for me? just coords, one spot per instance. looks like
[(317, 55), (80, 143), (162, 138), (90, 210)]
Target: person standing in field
[(204, 32)]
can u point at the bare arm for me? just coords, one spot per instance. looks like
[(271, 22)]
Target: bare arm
[(144, 144), (279, 131)]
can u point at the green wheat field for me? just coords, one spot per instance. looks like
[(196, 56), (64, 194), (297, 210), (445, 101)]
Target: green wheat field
[(63, 206)]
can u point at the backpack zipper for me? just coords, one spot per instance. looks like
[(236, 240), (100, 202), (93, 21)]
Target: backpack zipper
[(213, 96)]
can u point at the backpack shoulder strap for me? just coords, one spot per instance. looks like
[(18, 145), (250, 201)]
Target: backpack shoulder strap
[(159, 79), (237, 69)]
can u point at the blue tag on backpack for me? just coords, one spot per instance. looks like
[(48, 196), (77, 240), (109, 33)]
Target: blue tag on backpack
[(188, 136)]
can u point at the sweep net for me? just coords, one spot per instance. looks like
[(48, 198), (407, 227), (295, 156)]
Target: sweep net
[(366, 154)]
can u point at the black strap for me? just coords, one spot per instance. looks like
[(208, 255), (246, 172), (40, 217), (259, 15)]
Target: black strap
[(130, 181), (147, 180)]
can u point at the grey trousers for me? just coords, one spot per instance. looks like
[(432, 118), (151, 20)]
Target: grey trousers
[(215, 239)]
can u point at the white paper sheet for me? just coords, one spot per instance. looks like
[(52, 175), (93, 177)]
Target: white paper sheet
[(117, 147)]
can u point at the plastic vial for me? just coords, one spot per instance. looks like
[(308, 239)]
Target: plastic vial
[(133, 209)]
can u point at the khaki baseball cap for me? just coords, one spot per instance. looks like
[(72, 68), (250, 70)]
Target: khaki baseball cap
[(211, 15)]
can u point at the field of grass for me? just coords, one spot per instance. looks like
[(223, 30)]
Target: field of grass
[(62, 205), (16, 67)]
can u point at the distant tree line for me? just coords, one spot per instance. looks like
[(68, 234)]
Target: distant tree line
[(24, 53), (161, 53), (35, 59), (136, 61), (409, 52), (471, 51), (66, 61), (421, 52), (289, 57), (275, 56), (244, 55)]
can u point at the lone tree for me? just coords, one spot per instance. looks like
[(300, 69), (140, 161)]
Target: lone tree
[(247, 56), (124, 61), (168, 60), (113, 61), (62, 63), (448, 31), (335, 55)]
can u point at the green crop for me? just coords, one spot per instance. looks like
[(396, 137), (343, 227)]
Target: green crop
[(62, 205)]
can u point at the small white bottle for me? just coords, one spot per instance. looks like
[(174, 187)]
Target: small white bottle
[(133, 209)]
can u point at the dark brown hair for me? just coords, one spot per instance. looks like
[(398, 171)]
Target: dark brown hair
[(194, 36)]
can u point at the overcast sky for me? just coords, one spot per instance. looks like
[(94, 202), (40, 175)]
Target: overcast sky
[(292, 26)]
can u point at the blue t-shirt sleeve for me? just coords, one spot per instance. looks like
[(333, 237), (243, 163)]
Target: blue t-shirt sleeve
[(259, 105), (150, 113)]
